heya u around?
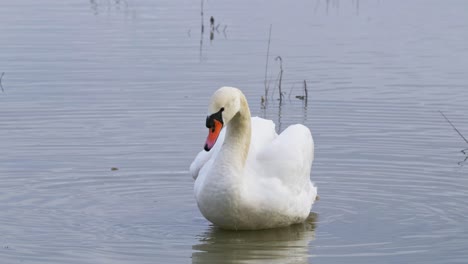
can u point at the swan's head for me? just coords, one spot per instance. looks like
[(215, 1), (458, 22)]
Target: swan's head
[(225, 104)]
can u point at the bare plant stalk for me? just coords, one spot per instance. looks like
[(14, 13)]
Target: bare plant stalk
[(202, 26), (290, 91), (212, 23), (305, 91), (274, 86), (280, 77), (201, 33), (266, 64), (1, 77), (454, 127)]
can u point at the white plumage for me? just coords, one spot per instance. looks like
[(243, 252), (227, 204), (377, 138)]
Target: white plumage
[(253, 178)]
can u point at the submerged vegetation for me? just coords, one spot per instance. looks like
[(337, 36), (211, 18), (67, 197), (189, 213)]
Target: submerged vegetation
[(464, 151), (277, 83), (214, 28), (279, 80)]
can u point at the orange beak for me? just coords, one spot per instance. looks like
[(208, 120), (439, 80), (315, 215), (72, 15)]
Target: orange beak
[(213, 134)]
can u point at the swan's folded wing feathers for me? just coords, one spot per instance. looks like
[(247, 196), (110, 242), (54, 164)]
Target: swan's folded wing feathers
[(289, 157), (263, 132)]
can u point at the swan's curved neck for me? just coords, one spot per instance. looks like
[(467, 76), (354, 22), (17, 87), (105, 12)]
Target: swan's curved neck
[(238, 133)]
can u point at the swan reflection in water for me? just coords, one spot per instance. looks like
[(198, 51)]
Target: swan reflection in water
[(280, 245)]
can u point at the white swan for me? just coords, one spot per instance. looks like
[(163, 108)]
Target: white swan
[(252, 178)]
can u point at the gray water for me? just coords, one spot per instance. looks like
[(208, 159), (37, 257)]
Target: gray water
[(101, 84)]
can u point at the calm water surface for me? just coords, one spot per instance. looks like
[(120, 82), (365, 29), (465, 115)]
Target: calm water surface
[(92, 85)]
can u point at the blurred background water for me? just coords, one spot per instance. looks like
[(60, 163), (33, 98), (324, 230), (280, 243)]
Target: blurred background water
[(94, 85)]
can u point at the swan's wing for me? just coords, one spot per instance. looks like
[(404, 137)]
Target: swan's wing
[(205, 158), (289, 157), (263, 132)]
